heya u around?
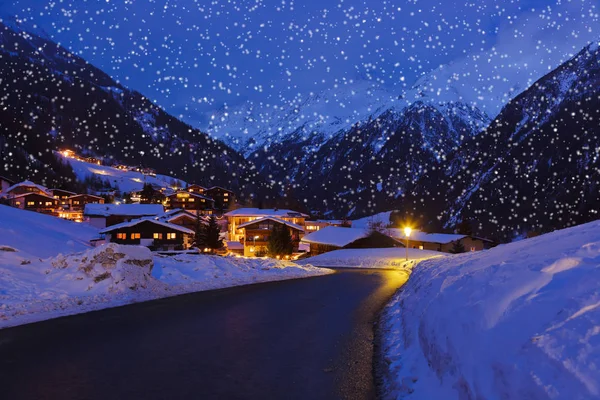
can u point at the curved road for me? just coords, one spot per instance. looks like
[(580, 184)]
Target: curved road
[(299, 339)]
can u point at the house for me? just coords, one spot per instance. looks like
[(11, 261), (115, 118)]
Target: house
[(258, 231), (62, 195), (443, 242), (5, 183), (333, 238), (240, 216), (24, 188), (313, 226), (182, 218), (223, 197), (190, 201), (193, 188), (103, 215), (154, 195), (149, 232), (34, 201), (78, 201)]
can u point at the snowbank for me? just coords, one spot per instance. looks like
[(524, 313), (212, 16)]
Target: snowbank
[(518, 321), (371, 258), (43, 235), (32, 289)]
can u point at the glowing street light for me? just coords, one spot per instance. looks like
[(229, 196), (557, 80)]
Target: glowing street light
[(407, 231), (255, 237)]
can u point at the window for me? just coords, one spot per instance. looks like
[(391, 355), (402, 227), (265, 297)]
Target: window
[(30, 203), (48, 203), (76, 202), (421, 247), (171, 236), (191, 200), (121, 236), (157, 236), (135, 236), (225, 194), (472, 248)]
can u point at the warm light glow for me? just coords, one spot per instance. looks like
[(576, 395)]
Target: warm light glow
[(256, 237), (407, 231)]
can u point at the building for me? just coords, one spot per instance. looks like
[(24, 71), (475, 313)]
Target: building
[(223, 197), (5, 183), (152, 195), (103, 215), (240, 216), (33, 201), (182, 218), (257, 233), (78, 201), (443, 242), (333, 238), (62, 196), (149, 232), (313, 226), (190, 201), (193, 188), (26, 187)]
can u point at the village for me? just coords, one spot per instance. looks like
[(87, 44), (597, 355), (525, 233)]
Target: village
[(197, 219)]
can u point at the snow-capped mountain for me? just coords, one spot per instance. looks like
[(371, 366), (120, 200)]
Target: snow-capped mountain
[(50, 98)]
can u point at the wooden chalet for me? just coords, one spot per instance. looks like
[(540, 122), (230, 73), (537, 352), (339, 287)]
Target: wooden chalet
[(62, 195), (257, 233), (78, 201), (103, 215), (443, 242), (333, 238), (38, 202), (190, 201), (196, 189), (223, 198), (149, 232), (182, 218), (235, 218), (26, 187)]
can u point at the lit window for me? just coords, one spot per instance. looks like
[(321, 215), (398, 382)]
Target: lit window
[(121, 236), (171, 236), (421, 247), (48, 203), (472, 248), (30, 203), (225, 194), (157, 236), (190, 199), (135, 236)]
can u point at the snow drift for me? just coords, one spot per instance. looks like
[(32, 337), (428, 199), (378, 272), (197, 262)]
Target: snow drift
[(518, 321)]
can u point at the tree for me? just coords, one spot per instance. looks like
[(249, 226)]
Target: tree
[(200, 238), (213, 234), (148, 195), (457, 247), (464, 228), (346, 223), (280, 241)]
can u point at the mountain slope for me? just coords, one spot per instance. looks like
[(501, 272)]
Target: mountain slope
[(50, 98)]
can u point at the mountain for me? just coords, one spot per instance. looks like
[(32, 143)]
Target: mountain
[(534, 169), (50, 99)]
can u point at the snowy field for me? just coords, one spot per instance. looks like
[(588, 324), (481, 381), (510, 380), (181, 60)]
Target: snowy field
[(371, 258), (127, 181), (520, 321), (34, 289)]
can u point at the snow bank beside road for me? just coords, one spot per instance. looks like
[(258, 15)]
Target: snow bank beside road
[(517, 321), (32, 289), (370, 258)]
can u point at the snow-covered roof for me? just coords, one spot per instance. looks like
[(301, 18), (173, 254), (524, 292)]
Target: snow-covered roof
[(151, 220), (177, 213), (194, 194), (336, 236), (85, 194), (220, 187), (105, 210), (18, 196), (281, 221), (264, 212), (29, 184), (418, 236), (233, 245), (61, 190)]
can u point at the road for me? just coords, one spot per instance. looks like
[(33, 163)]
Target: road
[(300, 339)]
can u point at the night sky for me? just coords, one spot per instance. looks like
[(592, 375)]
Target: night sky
[(193, 56)]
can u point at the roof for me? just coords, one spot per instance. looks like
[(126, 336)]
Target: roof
[(232, 245), (61, 190), (265, 212), (18, 196), (418, 236), (151, 220), (336, 236), (281, 221), (5, 179), (29, 184), (105, 210), (191, 194), (85, 194), (220, 187), (177, 213)]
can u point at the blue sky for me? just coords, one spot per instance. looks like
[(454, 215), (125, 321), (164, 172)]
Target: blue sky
[(192, 56)]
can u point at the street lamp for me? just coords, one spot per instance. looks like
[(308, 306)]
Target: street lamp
[(407, 232), (255, 237)]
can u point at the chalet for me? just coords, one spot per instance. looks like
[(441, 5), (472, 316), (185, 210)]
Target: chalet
[(313, 226), (103, 215), (333, 238), (149, 232), (223, 197), (26, 187), (196, 189), (154, 196), (182, 218), (240, 216), (78, 201), (32, 201), (443, 242), (62, 195), (5, 183), (190, 201), (257, 233)]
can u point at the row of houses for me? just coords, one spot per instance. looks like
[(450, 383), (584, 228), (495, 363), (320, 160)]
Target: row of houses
[(194, 197)]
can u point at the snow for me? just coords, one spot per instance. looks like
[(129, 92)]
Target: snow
[(43, 235), (125, 181), (33, 289), (105, 210), (31, 185), (281, 221), (263, 212), (517, 321), (152, 220), (336, 236), (383, 217), (394, 258), (419, 236)]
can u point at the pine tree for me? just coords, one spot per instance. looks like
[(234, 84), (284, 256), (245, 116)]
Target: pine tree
[(213, 232), (280, 241), (457, 247), (200, 236)]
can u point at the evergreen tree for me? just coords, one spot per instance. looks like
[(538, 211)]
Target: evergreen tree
[(148, 194), (200, 237), (457, 247), (213, 231), (280, 241)]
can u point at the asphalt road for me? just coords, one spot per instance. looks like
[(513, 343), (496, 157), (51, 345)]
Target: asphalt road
[(301, 339)]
